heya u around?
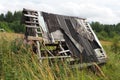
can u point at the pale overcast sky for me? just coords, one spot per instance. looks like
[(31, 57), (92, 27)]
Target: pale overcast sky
[(104, 11)]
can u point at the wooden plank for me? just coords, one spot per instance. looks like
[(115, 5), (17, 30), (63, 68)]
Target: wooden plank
[(53, 57), (29, 26), (29, 15), (35, 38), (64, 51), (39, 32), (30, 22), (35, 19), (38, 50)]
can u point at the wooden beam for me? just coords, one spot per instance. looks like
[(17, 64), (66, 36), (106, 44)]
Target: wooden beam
[(53, 57), (28, 15), (29, 26), (35, 38), (30, 22)]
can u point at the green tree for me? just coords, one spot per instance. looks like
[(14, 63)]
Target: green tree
[(102, 35), (117, 28), (4, 25), (17, 15), (2, 17), (17, 27), (9, 17), (97, 27)]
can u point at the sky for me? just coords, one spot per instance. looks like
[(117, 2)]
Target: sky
[(103, 11)]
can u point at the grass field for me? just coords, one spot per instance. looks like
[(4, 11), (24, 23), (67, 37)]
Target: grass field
[(18, 62)]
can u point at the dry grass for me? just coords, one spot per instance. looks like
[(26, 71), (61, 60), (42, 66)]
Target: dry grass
[(19, 63), (10, 36), (106, 43)]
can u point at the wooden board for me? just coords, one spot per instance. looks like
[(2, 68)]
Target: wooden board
[(35, 38)]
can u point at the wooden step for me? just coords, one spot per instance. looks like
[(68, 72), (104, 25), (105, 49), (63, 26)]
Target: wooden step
[(35, 38), (30, 22), (35, 19), (29, 26), (28, 15), (39, 32)]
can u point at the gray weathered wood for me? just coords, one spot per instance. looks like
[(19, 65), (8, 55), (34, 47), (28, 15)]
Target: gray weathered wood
[(31, 22), (29, 26), (52, 57), (29, 15), (35, 38)]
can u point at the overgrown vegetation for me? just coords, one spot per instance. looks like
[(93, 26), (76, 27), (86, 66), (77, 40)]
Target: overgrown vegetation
[(11, 22), (115, 45), (106, 31), (18, 62)]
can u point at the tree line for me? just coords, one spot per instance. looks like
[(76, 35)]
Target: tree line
[(11, 23), (106, 31)]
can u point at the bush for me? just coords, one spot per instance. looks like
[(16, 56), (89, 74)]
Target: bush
[(115, 47)]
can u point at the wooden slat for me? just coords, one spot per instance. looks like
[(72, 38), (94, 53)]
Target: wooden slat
[(28, 15), (32, 26), (52, 57), (64, 51), (30, 22), (35, 38), (35, 19), (39, 32)]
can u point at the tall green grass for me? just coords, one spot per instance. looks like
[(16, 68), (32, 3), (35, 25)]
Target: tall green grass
[(18, 62)]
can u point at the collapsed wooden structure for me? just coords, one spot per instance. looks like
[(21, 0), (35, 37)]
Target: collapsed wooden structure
[(71, 37)]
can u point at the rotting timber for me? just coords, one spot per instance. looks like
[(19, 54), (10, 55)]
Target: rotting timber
[(71, 37)]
